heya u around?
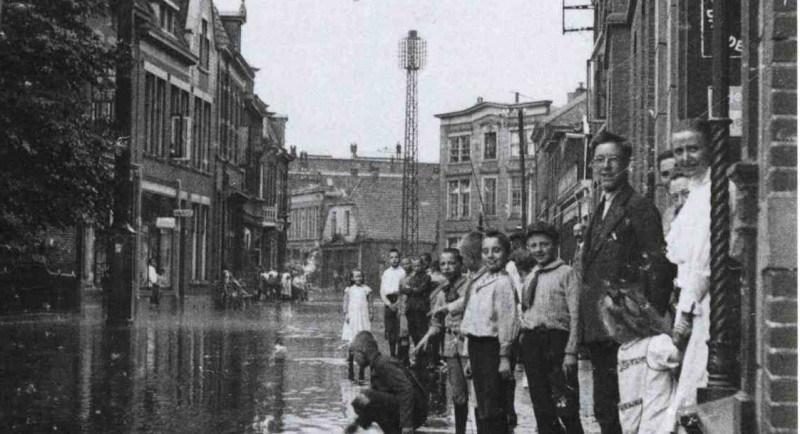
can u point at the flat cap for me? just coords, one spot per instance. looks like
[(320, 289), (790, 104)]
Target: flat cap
[(542, 227)]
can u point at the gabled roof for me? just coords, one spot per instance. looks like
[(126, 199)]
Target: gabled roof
[(221, 37), (174, 44), (569, 114)]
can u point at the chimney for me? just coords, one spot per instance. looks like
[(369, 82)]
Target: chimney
[(480, 99), (578, 92), (354, 150)]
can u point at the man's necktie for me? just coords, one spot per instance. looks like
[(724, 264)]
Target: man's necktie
[(532, 290)]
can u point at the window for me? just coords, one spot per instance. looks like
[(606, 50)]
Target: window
[(452, 242), (515, 195), (205, 44), (490, 146), (167, 17), (347, 222), (514, 141), (197, 134), (180, 124), (103, 97), (458, 199), (490, 196), (334, 228), (155, 108), (459, 149)]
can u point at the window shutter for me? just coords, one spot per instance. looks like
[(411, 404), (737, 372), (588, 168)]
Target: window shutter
[(175, 136), (186, 148)]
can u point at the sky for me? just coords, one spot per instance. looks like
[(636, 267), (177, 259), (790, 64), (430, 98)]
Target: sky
[(331, 66)]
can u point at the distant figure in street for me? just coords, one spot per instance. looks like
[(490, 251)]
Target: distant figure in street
[(490, 323), (286, 283), (646, 359), (357, 308), (623, 243), (390, 292), (153, 280), (550, 334), (395, 400)]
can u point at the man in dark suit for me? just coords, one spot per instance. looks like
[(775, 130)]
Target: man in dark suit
[(623, 243)]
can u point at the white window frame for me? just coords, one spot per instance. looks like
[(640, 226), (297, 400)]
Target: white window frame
[(484, 196), (511, 210), (462, 141)]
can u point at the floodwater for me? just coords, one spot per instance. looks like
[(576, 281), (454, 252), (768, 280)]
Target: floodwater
[(268, 368)]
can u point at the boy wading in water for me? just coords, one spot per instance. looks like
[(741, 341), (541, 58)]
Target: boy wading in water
[(395, 400)]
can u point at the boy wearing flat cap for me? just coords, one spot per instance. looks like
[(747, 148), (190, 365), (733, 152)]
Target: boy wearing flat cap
[(550, 307)]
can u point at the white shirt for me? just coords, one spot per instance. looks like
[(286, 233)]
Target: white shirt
[(390, 282), (492, 310), (646, 384)]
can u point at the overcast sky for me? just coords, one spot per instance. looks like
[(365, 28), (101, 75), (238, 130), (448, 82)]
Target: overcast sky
[(331, 65)]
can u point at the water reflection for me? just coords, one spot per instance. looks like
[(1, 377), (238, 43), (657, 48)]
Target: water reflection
[(179, 369)]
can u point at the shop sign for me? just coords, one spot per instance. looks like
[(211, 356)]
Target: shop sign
[(734, 108), (707, 25), (165, 222), (183, 212)]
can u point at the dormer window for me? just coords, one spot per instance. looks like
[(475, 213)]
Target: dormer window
[(166, 11)]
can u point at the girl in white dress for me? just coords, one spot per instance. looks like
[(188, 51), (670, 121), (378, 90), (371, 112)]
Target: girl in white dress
[(357, 314)]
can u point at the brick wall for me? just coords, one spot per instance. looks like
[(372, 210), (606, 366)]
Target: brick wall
[(777, 251)]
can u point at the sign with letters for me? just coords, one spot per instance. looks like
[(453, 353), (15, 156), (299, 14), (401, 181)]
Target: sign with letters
[(183, 212), (707, 29)]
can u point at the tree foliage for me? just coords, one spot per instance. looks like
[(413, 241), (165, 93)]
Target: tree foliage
[(55, 160)]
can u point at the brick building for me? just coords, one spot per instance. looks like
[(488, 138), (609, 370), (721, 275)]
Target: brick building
[(348, 209), (480, 171), (560, 178), (208, 156), (650, 67)]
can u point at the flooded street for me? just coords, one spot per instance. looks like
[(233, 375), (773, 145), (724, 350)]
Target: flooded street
[(267, 368)]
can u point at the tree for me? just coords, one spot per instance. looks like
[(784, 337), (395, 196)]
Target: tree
[(56, 161)]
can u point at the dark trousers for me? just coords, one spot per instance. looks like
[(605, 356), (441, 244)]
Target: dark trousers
[(391, 327), (554, 396), (383, 409), (511, 386), (417, 324), (606, 388), (490, 392)]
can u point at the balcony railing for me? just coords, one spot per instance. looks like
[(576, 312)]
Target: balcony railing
[(270, 213)]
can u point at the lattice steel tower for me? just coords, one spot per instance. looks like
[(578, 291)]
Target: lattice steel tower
[(412, 55)]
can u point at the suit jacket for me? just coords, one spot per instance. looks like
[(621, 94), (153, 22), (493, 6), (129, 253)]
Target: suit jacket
[(388, 375), (627, 245)]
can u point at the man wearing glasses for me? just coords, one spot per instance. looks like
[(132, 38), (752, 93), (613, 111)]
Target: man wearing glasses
[(623, 245)]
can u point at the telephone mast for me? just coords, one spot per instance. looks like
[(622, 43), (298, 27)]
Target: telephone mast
[(412, 53)]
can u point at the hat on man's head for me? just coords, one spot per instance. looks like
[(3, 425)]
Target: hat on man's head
[(542, 227)]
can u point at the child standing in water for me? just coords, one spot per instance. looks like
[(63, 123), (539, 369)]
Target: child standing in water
[(357, 315)]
